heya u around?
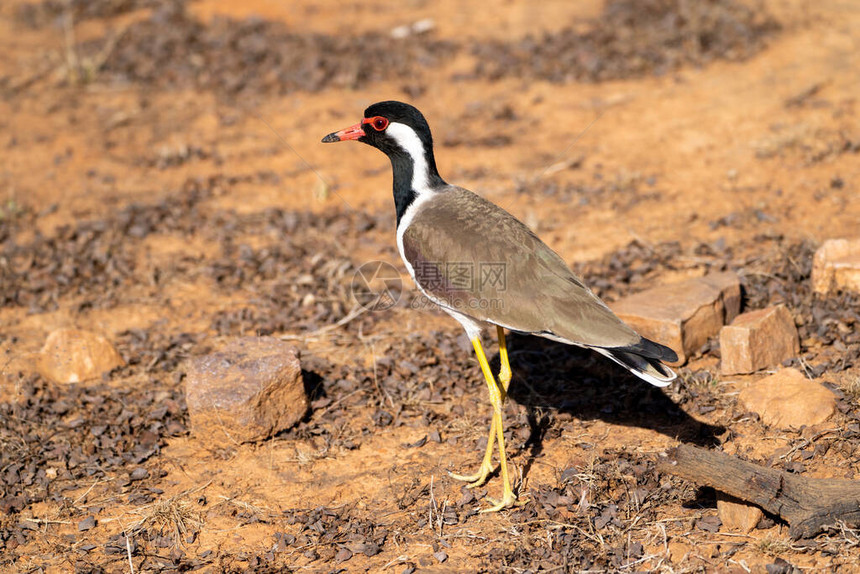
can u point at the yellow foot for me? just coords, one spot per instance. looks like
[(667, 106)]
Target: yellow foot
[(508, 500), (474, 480)]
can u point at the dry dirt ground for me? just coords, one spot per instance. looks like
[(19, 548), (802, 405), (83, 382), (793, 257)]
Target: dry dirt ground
[(162, 183)]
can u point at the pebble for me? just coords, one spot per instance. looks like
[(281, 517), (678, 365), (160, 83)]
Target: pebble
[(74, 356), (343, 555), (87, 523), (836, 266), (758, 340), (247, 392), (736, 515), (787, 399)]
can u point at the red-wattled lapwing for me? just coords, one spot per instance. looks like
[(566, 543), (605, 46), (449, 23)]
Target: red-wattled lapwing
[(484, 267)]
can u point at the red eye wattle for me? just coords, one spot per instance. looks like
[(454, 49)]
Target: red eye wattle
[(378, 123)]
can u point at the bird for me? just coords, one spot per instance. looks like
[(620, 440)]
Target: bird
[(486, 268)]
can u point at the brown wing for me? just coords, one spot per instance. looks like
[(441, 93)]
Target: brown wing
[(478, 259)]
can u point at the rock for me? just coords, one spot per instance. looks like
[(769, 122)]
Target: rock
[(249, 391), (683, 315), (343, 555), (836, 266), (87, 523), (758, 340), (73, 355), (414, 29), (788, 399), (139, 473), (781, 566), (737, 515)]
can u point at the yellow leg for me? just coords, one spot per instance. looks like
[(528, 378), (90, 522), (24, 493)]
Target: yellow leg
[(505, 369), (480, 477), (508, 498)]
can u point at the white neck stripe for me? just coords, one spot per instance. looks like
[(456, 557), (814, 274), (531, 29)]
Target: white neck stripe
[(407, 139)]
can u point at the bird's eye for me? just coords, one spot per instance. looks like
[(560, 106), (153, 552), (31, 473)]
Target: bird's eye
[(378, 123)]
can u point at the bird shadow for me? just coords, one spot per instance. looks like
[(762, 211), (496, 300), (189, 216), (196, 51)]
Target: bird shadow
[(554, 377)]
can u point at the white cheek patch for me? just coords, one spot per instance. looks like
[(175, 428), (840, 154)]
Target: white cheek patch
[(407, 139)]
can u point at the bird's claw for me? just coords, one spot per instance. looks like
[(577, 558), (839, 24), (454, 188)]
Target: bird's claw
[(509, 500), (474, 480)]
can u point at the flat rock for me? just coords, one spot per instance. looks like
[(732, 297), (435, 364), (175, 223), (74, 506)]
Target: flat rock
[(836, 266), (74, 355), (736, 515), (87, 523), (683, 315), (758, 340), (249, 391), (787, 399)]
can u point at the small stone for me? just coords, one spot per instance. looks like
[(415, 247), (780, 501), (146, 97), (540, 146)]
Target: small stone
[(781, 566), (758, 340), (247, 392), (343, 555), (737, 515), (74, 355), (87, 523), (414, 29), (683, 315), (139, 473), (709, 523), (836, 266), (788, 399)]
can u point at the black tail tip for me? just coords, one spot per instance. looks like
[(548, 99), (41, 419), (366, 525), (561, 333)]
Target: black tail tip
[(669, 355), (654, 350)]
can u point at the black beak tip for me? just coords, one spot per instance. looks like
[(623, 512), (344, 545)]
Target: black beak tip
[(332, 137)]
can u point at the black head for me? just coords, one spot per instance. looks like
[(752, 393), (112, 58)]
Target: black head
[(401, 132), (382, 117)]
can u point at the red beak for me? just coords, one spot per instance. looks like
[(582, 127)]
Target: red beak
[(350, 133)]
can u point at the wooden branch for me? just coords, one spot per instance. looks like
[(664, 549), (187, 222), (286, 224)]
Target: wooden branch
[(807, 504)]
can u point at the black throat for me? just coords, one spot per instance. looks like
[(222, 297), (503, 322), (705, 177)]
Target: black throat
[(403, 170)]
